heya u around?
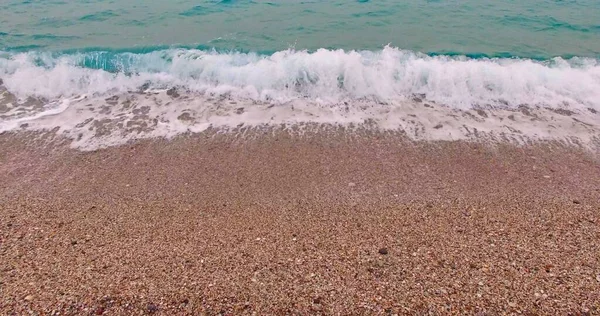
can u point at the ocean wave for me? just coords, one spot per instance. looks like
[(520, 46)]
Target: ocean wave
[(323, 76)]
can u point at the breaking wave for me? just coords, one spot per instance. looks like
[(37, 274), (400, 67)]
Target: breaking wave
[(323, 76)]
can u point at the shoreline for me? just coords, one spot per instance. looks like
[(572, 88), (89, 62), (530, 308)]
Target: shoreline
[(281, 223)]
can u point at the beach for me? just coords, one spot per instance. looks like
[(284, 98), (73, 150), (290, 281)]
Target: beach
[(300, 157), (277, 222)]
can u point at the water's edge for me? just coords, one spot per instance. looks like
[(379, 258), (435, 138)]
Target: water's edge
[(104, 98)]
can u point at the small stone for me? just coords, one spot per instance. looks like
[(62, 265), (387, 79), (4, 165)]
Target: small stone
[(351, 184), (414, 254), (74, 242), (512, 304), (29, 298), (173, 92), (152, 308), (576, 202), (383, 251), (598, 277), (99, 310), (185, 117)]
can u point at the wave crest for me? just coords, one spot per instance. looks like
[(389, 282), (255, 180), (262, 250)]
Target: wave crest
[(323, 76)]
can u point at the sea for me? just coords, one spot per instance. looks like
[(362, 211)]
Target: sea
[(105, 72)]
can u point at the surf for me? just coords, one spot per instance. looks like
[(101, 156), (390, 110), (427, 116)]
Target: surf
[(324, 76), (106, 98)]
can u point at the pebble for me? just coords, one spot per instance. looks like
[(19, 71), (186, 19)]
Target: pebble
[(173, 93), (29, 298), (576, 202), (383, 251), (152, 308)]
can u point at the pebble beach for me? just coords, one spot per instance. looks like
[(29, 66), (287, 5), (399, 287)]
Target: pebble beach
[(277, 223)]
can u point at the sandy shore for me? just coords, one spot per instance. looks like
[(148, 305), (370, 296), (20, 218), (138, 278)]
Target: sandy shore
[(328, 222)]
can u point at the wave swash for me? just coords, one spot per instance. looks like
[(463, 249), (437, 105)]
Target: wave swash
[(105, 98)]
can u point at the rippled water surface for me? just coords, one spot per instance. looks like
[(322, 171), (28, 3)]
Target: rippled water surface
[(527, 28)]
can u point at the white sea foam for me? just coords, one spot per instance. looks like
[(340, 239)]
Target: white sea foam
[(326, 86)]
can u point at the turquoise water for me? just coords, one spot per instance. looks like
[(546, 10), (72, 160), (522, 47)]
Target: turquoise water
[(528, 28), (98, 71)]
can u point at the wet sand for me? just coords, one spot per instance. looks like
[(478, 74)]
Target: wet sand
[(274, 223)]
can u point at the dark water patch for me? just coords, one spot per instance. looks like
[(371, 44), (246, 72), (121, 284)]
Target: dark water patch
[(378, 23), (24, 48), (545, 23), (133, 23), (99, 17), (55, 22), (200, 11), (373, 14), (151, 49), (52, 37), (132, 50), (496, 55)]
